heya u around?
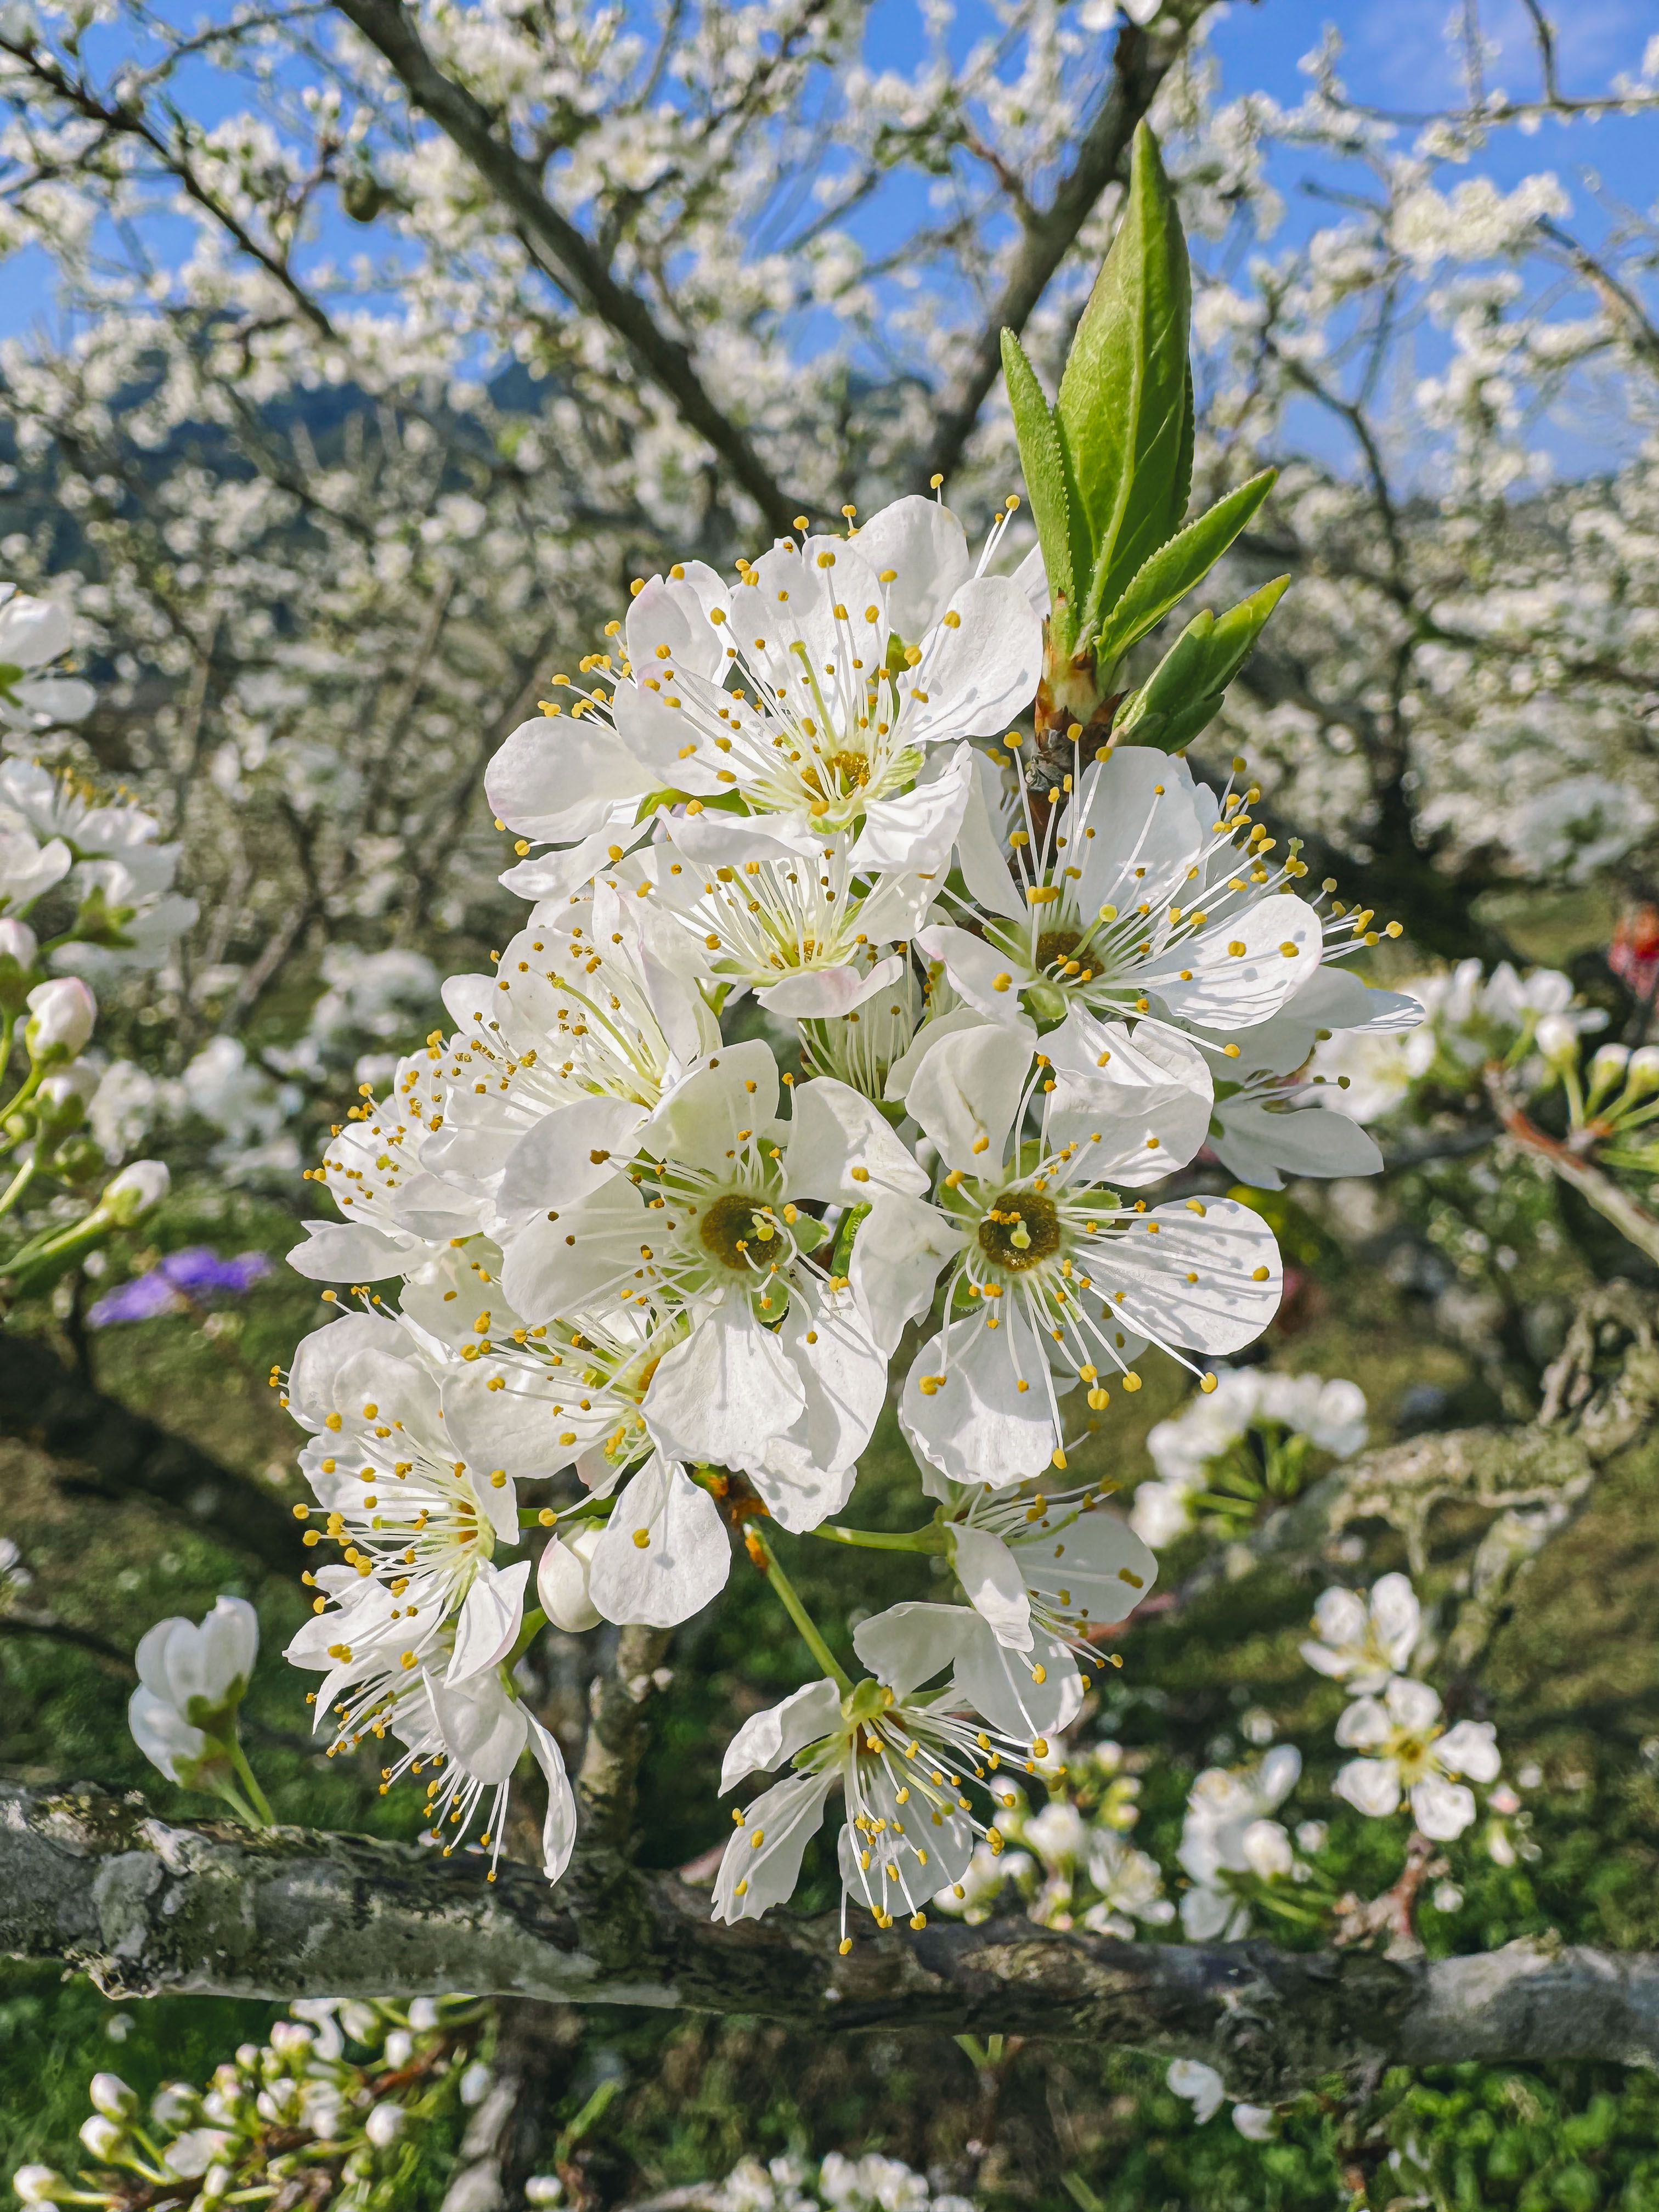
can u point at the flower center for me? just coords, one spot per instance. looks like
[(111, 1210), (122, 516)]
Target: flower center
[(1056, 947), (1020, 1231), (737, 1231)]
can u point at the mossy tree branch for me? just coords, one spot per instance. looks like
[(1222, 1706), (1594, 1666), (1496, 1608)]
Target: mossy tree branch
[(148, 1907)]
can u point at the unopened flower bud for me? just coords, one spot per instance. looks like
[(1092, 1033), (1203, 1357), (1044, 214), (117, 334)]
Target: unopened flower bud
[(385, 2124), (173, 2103), (544, 2188), (60, 1100), (400, 2048), (39, 2184), (141, 1185), (424, 2015), (1557, 1040), (110, 2095), (561, 1580), (1607, 1066), (104, 2138), (1642, 1075), (61, 1017)]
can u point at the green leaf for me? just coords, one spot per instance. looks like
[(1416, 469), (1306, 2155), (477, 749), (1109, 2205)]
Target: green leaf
[(1184, 694), (1062, 533), (1171, 572), (1125, 397)]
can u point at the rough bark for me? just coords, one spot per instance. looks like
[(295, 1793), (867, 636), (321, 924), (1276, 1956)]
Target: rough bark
[(103, 1445), (148, 1907)]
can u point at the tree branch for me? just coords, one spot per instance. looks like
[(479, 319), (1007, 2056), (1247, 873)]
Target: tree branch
[(1600, 1396), (146, 1906), (1141, 59), (44, 1403), (573, 260)]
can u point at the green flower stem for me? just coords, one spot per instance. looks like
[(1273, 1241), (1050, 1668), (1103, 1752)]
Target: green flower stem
[(14, 1189), (239, 1804), (26, 1089), (930, 1539), (7, 1031), (257, 1797), (59, 1244), (789, 1598)]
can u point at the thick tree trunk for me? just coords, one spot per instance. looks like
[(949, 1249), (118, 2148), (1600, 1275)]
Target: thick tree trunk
[(146, 1907)]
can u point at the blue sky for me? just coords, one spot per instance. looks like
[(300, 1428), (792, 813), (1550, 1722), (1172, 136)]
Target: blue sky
[(1397, 56)]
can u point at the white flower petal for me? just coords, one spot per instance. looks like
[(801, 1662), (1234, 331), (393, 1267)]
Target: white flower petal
[(926, 548), (766, 1740), (684, 1562), (569, 1152), (1470, 1748), (976, 1425), (912, 1642), (1230, 990), (700, 1122), (756, 1875), (1147, 1098), (487, 1625), (991, 1577), (1225, 1247), (348, 1252), (835, 1131), (561, 779), (559, 1827), (1411, 1705), (1370, 1785), (966, 1094), (983, 671), (1100, 1565), (1442, 1809), (1001, 1684), (901, 1247), (720, 1395)]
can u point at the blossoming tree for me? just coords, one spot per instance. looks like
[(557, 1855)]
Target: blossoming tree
[(887, 950)]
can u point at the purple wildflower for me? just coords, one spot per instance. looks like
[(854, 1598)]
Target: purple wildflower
[(182, 1279)]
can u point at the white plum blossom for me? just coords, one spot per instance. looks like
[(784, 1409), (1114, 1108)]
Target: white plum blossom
[(1365, 1641), (414, 1475), (778, 1373), (1200, 2086), (191, 1679), (1410, 1753), (903, 1761), (1192, 1448), (34, 632), (821, 687), (1052, 1277), (1133, 897), (1229, 1831)]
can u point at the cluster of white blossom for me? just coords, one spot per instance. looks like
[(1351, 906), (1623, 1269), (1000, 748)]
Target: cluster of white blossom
[(91, 874), (300, 2111), (623, 1268), (1071, 1863), (1250, 1439), (1407, 1753), (1471, 1018), (422, 459)]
